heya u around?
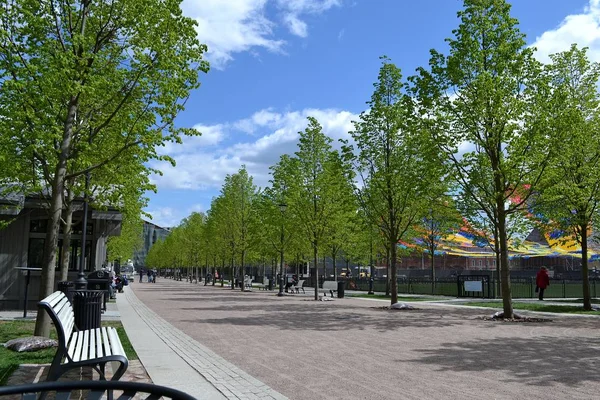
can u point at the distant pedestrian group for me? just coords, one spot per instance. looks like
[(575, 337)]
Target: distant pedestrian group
[(150, 274)]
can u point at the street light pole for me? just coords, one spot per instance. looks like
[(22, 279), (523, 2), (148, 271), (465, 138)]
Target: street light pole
[(371, 266), (282, 208), (81, 282)]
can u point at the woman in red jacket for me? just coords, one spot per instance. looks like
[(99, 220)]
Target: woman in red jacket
[(542, 280)]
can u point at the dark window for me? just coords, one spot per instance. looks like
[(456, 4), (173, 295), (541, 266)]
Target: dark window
[(38, 226), (76, 228), (76, 254), (35, 254)]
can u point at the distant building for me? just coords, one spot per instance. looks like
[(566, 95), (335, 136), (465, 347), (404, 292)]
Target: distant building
[(22, 244), (151, 234)]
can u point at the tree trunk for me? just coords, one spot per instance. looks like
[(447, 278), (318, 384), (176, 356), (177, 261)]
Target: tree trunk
[(394, 273), (42, 323), (232, 273), (333, 254), (587, 304), (66, 245), (432, 272), (316, 259), (242, 268), (387, 281), (504, 266)]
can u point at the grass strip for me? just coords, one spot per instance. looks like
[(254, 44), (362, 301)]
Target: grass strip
[(400, 299), (10, 360), (552, 308)]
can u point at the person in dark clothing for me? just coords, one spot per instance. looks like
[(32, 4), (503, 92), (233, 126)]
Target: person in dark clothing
[(141, 275), (542, 280)]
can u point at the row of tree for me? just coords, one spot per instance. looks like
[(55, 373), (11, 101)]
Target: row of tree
[(486, 132), (89, 91)]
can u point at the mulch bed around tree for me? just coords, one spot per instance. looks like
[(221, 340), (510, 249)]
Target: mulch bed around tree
[(499, 316), (388, 308)]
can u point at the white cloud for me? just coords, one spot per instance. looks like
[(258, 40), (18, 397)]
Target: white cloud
[(234, 26), (292, 10), (164, 217), (296, 26), (168, 217), (209, 136), (583, 29), (199, 169)]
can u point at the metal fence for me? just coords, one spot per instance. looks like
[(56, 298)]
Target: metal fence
[(520, 287)]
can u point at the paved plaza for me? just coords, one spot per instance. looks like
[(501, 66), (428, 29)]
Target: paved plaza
[(256, 345)]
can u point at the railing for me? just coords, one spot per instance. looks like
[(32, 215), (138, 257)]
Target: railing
[(520, 287)]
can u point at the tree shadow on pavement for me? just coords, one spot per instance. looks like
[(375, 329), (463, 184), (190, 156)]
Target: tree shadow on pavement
[(326, 320), (541, 360)]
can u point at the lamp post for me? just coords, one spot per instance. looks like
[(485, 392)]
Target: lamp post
[(371, 266), (282, 208), (81, 282)]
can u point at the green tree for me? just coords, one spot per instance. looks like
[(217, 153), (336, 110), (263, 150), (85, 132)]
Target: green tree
[(487, 96), (341, 223), (572, 197), (86, 81), (440, 220), (395, 164), (311, 198)]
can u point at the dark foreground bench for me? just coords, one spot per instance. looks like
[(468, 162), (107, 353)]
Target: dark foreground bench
[(98, 390), (77, 348)]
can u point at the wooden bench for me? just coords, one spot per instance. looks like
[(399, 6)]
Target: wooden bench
[(76, 348), (329, 286), (299, 285)]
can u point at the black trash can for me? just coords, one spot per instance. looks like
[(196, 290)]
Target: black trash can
[(100, 280), (67, 288), (87, 307), (341, 289)]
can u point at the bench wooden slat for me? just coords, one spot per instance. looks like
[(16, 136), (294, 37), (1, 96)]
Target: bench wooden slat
[(85, 350), (77, 354), (115, 342), (64, 310), (98, 342), (54, 298), (72, 343), (107, 349), (92, 348), (69, 326)]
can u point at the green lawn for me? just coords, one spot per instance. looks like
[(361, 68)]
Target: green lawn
[(400, 298), (10, 360), (580, 301), (537, 307)]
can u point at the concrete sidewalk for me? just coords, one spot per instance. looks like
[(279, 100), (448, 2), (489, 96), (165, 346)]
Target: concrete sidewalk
[(174, 359)]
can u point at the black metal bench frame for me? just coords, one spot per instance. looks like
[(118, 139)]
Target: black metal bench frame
[(98, 390)]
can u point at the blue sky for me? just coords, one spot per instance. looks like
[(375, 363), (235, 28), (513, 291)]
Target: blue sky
[(275, 62)]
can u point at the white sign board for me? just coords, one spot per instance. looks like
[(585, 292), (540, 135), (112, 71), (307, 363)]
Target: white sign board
[(473, 286)]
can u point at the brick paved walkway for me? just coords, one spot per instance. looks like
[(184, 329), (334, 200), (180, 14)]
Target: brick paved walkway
[(348, 348), (229, 380)]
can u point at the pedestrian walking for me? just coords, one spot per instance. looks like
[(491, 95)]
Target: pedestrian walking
[(542, 281), (141, 275), (149, 276)]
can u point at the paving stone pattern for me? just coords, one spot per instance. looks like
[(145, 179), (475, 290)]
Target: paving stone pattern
[(33, 373), (352, 349), (230, 380)]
